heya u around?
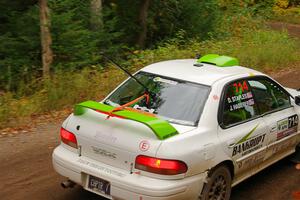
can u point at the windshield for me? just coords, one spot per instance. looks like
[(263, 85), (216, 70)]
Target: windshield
[(176, 101)]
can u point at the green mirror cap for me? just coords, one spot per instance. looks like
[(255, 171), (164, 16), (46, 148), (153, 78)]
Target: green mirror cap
[(220, 61), (161, 128)]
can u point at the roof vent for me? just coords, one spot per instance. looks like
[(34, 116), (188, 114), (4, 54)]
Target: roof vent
[(220, 61)]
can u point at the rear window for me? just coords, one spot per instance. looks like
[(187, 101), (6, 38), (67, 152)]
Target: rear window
[(176, 101)]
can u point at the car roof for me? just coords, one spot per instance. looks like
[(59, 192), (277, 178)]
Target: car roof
[(207, 74)]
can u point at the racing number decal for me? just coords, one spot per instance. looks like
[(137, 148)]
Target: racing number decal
[(287, 126), (240, 97), (293, 121), (241, 86)]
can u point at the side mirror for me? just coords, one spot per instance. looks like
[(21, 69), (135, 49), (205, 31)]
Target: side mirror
[(297, 100)]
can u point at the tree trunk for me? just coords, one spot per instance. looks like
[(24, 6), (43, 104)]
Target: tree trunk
[(96, 14), (143, 14), (46, 40), (8, 88)]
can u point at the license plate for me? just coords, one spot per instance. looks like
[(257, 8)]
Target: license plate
[(99, 185)]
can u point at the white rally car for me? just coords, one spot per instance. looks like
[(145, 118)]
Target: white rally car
[(181, 129)]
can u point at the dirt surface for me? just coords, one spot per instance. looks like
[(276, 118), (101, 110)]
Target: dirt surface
[(293, 29), (27, 173)]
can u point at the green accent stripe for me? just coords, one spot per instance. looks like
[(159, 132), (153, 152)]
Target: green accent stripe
[(221, 61), (247, 136), (161, 128)]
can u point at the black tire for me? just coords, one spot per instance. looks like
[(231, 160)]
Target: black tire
[(218, 186)]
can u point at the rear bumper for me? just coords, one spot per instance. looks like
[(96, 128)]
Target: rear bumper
[(123, 184)]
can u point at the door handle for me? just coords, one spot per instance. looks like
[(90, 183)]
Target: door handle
[(231, 143)]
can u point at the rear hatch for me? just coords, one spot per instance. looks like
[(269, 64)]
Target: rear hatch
[(114, 141)]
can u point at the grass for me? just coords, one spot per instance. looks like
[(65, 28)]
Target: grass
[(259, 49), (62, 91)]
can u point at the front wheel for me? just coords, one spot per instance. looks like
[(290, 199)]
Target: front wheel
[(218, 186)]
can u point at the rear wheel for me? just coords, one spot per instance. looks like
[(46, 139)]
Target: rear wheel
[(218, 186)]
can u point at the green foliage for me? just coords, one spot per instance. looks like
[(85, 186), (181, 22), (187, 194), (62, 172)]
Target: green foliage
[(166, 18), (175, 29), (126, 12), (72, 40), (75, 43), (262, 50), (289, 15), (258, 8), (196, 18), (19, 49)]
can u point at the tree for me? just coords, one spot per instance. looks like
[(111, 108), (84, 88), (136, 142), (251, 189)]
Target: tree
[(96, 14), (143, 14), (46, 40)]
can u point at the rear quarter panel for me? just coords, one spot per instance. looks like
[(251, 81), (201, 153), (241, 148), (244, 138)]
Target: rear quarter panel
[(200, 148)]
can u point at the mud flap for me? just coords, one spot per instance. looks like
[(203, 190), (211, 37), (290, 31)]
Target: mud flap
[(295, 158), (206, 180)]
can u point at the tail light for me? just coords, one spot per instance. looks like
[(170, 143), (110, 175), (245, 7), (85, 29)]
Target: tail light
[(68, 138), (160, 166)]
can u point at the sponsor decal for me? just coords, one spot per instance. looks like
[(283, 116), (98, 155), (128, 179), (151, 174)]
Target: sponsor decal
[(240, 97), (240, 105), (287, 126), (159, 79), (247, 135), (274, 128), (104, 152), (144, 145), (251, 161), (249, 145), (240, 101), (283, 146), (144, 108)]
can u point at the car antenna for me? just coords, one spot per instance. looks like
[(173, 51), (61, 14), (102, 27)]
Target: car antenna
[(147, 91)]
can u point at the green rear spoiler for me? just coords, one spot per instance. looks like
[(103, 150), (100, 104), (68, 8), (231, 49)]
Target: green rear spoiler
[(161, 128)]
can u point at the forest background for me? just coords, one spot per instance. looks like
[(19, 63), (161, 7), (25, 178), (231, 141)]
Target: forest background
[(51, 50)]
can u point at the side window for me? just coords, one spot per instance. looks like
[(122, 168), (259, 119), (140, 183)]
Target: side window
[(268, 95), (238, 103)]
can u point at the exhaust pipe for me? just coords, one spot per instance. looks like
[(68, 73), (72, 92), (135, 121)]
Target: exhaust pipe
[(67, 184)]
